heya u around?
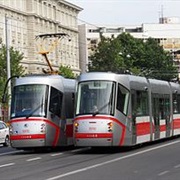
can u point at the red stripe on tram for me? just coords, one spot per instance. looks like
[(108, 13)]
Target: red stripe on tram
[(143, 128), (27, 136), (93, 135), (162, 127), (176, 123)]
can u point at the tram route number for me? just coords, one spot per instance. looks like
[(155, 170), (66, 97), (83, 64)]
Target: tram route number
[(92, 128), (25, 130)]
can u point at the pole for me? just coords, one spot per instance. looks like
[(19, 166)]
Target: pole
[(8, 63)]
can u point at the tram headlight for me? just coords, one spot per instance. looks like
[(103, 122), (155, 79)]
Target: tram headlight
[(76, 126), (110, 126), (43, 128)]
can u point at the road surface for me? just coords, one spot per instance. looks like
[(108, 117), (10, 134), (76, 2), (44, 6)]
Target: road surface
[(156, 161)]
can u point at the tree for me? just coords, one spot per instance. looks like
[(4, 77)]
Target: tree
[(107, 56), (158, 61), (66, 72), (132, 52), (145, 58), (16, 68)]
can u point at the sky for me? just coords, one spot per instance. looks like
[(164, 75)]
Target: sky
[(126, 12)]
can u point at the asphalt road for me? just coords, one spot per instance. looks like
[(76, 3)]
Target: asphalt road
[(157, 161)]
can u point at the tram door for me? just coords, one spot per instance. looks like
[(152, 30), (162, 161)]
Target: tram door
[(55, 112), (141, 125), (134, 105), (161, 115), (155, 112)]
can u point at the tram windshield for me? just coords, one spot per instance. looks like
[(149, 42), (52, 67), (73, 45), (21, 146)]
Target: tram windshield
[(29, 100), (95, 97)]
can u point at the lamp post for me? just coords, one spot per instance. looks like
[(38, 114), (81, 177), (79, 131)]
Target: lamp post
[(8, 62), (125, 57)]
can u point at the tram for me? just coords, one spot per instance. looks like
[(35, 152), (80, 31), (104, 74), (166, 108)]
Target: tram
[(124, 110), (42, 110)]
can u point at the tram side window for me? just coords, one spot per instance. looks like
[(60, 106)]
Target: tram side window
[(69, 106), (140, 105), (164, 107), (55, 105), (161, 107), (176, 103), (122, 99)]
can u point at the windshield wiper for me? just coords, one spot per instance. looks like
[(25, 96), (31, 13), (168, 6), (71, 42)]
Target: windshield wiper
[(33, 111), (96, 110)]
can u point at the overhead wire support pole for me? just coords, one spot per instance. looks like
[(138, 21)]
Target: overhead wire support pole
[(8, 62)]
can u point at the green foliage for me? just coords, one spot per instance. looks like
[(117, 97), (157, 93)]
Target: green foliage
[(106, 57), (16, 68), (145, 58), (159, 62), (66, 72)]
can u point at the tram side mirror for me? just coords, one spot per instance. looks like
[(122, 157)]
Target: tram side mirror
[(4, 98), (5, 95)]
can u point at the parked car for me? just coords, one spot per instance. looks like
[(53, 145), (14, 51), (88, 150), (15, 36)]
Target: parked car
[(4, 134)]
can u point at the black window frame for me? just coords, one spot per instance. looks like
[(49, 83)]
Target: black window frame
[(120, 105), (55, 102)]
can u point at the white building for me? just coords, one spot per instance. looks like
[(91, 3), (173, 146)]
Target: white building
[(29, 18), (167, 32)]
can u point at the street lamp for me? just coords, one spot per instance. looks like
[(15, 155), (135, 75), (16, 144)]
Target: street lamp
[(125, 57), (8, 60)]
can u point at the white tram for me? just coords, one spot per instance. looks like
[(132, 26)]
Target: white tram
[(124, 110), (42, 112)]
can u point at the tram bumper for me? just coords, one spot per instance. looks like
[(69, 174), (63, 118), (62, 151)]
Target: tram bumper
[(28, 133), (93, 139), (21, 144), (93, 131), (98, 131)]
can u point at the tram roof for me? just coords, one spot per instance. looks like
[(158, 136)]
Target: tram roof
[(99, 76), (131, 81), (40, 79), (110, 76), (52, 80)]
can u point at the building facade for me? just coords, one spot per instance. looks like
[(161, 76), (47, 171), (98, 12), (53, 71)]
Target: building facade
[(166, 32), (27, 19)]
